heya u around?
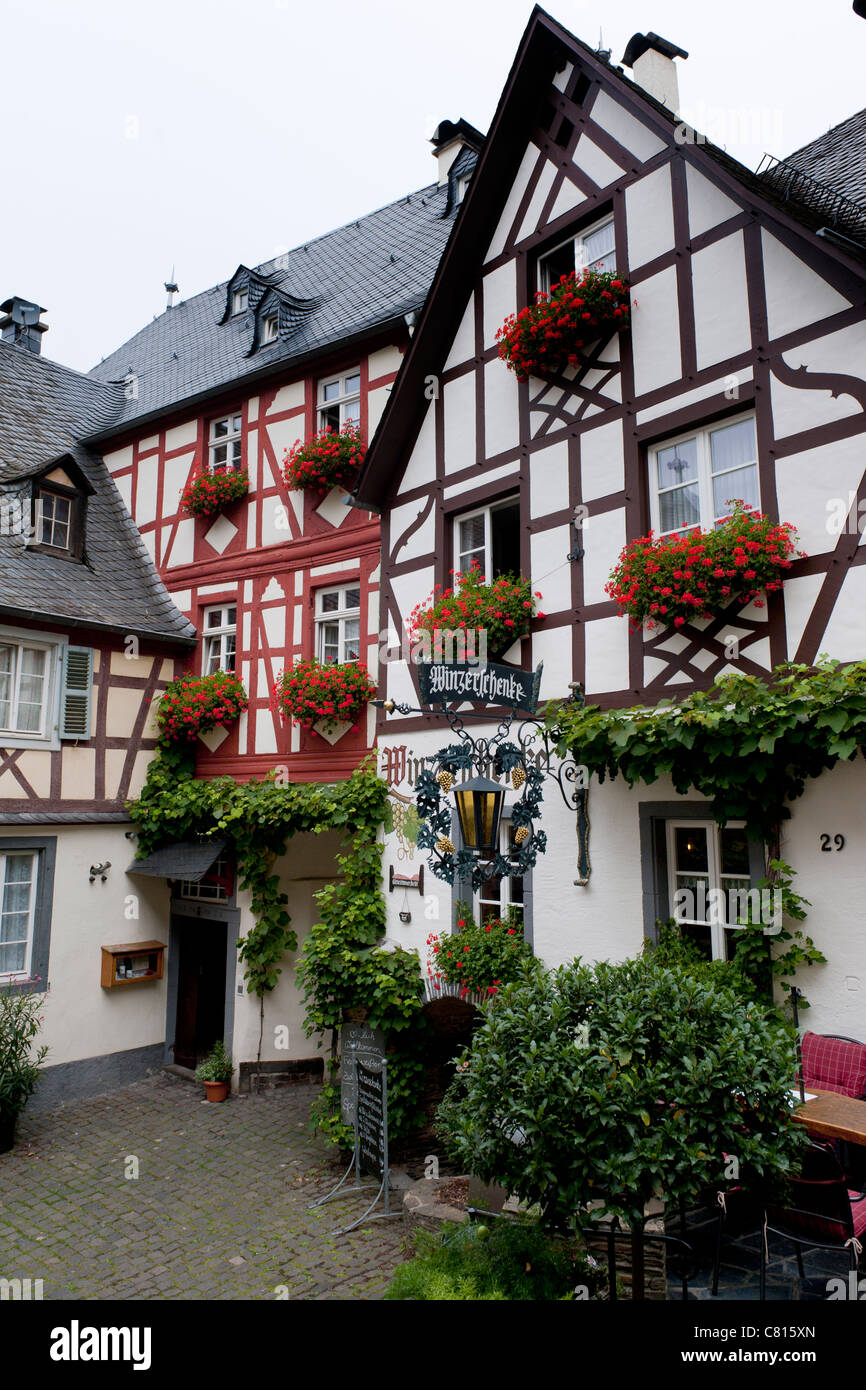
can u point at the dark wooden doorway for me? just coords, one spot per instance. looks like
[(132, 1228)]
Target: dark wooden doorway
[(201, 988)]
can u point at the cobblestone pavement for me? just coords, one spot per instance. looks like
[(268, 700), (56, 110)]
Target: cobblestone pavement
[(219, 1210)]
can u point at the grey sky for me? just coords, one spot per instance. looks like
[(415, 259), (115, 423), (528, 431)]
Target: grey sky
[(202, 133)]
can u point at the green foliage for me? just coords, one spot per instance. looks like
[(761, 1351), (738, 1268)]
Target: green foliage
[(480, 957), (761, 956), (749, 743), (19, 1061), (620, 1083), (217, 1066), (342, 967), (514, 1260)]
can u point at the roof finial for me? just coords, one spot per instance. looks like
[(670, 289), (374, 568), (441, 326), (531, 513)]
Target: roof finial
[(172, 290), (602, 52)]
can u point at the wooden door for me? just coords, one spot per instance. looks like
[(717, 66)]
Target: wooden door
[(201, 988)]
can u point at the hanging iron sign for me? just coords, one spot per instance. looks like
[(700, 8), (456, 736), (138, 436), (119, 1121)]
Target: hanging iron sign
[(447, 682)]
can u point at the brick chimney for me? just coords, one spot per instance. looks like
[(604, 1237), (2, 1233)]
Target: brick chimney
[(449, 138), (651, 60), (20, 323)]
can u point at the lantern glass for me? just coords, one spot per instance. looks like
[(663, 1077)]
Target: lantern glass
[(479, 809)]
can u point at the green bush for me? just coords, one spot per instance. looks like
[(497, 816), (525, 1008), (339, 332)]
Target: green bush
[(514, 1260)]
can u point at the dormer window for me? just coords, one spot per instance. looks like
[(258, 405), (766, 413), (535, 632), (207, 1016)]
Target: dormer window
[(270, 328), (53, 520), (240, 299), (58, 515), (462, 187)]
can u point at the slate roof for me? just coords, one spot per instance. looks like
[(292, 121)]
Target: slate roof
[(45, 411), (837, 158), (339, 286)]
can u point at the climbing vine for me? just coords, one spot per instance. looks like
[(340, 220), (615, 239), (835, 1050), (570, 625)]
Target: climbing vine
[(341, 966)]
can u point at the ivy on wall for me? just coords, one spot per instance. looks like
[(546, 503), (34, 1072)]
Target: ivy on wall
[(341, 966)]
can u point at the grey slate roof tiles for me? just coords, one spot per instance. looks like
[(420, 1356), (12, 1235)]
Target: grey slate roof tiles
[(358, 277), (45, 410), (837, 158)]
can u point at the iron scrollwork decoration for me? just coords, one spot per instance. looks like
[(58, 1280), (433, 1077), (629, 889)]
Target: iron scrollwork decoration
[(571, 778)]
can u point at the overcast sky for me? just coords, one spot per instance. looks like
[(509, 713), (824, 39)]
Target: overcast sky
[(202, 133)]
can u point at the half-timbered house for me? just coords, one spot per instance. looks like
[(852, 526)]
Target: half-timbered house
[(743, 374), (229, 380), (88, 639)]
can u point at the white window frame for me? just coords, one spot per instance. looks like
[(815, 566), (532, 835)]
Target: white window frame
[(579, 242), (270, 328), (44, 495), (708, 518), (342, 401), (219, 636), (487, 513), (715, 877), (505, 901), (33, 855), (205, 889), (341, 616), (234, 460), (240, 301), (48, 734)]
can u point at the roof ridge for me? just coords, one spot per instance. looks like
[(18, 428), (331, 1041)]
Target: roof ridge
[(810, 144)]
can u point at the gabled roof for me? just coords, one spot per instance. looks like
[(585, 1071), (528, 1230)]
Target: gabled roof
[(339, 287), (45, 410), (538, 57), (837, 158)]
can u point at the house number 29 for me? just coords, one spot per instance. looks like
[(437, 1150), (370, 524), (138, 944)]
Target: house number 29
[(827, 847)]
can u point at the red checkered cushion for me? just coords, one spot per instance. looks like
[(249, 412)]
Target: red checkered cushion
[(832, 1065)]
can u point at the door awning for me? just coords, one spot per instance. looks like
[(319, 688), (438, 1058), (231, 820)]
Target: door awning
[(189, 860)]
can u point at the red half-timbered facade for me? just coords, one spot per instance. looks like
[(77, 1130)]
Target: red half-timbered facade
[(742, 374)]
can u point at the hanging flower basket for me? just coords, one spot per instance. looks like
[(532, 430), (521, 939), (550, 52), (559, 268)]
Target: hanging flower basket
[(209, 493), (194, 705), (480, 957), (503, 611), (546, 337), (312, 691), (675, 579), (329, 459)]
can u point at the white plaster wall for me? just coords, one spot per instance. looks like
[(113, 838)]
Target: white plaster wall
[(721, 301), (604, 538), (459, 404), (423, 540), (176, 438), (650, 217), (602, 462), (656, 332), (145, 492), (624, 127), (81, 1019), (708, 205), (711, 388), (594, 162), (463, 346), (845, 634), (118, 458), (807, 483), (606, 655), (500, 300), (289, 398), (796, 295), (421, 463), (512, 203), (532, 218), (501, 425), (548, 480)]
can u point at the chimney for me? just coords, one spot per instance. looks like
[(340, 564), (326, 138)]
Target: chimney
[(651, 60), (449, 138), (20, 323)]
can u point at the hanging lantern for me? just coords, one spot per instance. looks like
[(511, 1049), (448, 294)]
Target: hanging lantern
[(479, 808)]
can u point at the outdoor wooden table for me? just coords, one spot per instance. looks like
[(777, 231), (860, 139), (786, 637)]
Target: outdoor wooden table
[(834, 1116)]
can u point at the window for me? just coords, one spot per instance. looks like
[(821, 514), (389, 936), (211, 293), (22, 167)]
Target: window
[(215, 887), (220, 631), (462, 186), (239, 301), (17, 906), (338, 624), (270, 327), (224, 449), (592, 249), (54, 520), (339, 400), (695, 476), (497, 896), (708, 871), (25, 671), (489, 537)]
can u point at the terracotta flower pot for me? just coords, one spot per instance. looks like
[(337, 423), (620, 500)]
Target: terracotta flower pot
[(216, 1090), (8, 1120)]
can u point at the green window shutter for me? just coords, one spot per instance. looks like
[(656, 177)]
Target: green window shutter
[(75, 694)]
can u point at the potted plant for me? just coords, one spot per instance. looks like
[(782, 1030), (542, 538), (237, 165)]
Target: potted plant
[(497, 613), (216, 1073), (208, 493), (330, 459), (328, 692), (481, 956), (19, 1063), (545, 337), (193, 705), (697, 574)]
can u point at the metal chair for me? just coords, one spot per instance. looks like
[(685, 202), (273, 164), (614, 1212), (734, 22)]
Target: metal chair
[(822, 1213)]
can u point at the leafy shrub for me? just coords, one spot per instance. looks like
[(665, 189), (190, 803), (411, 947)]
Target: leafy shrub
[(217, 1066), (622, 1082), (513, 1260), (19, 1062)]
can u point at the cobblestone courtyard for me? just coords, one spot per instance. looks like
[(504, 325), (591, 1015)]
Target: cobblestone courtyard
[(219, 1210)]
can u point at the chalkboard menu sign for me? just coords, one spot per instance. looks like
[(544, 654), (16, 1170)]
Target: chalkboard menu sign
[(370, 1120), (357, 1040)]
